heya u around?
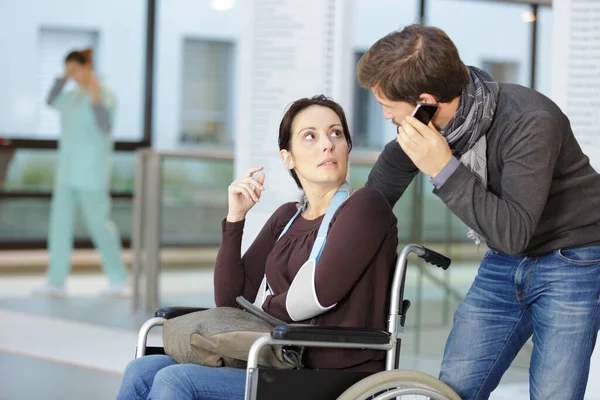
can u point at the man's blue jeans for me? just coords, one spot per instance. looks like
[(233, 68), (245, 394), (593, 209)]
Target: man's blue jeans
[(555, 298), (159, 377)]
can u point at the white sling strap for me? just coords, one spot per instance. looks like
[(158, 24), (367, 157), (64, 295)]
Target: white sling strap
[(302, 302)]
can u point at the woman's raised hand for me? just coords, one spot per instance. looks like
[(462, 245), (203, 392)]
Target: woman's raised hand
[(243, 194)]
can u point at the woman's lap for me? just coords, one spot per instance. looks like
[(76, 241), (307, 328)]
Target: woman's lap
[(159, 377)]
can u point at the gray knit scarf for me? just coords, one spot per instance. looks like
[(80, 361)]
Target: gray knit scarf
[(467, 129)]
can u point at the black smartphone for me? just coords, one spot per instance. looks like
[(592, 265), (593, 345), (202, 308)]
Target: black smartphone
[(424, 112)]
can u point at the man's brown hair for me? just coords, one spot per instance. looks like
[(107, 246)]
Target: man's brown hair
[(418, 59)]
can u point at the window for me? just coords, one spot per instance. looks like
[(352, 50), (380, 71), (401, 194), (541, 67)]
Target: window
[(370, 131), (206, 106), (36, 37), (502, 71), (371, 21), (503, 35), (53, 46)]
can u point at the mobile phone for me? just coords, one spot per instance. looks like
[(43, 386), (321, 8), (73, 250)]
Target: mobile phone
[(424, 112)]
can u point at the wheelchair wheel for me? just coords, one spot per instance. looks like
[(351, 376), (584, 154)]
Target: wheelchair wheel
[(399, 383)]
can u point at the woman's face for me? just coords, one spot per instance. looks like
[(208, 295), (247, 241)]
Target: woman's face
[(318, 148), (80, 73)]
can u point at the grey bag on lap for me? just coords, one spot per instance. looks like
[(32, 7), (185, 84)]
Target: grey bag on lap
[(220, 337)]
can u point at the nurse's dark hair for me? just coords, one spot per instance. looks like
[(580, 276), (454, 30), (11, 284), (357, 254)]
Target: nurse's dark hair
[(285, 128), (80, 56)]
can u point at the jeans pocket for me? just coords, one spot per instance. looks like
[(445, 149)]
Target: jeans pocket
[(581, 256)]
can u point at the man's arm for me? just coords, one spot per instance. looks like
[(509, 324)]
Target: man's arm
[(508, 221), (392, 173)]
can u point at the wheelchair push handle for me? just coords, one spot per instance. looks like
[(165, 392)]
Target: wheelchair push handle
[(435, 258)]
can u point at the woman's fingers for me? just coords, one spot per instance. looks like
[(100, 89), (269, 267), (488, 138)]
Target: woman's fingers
[(252, 171), (249, 187), (248, 179), (254, 182), (245, 189)]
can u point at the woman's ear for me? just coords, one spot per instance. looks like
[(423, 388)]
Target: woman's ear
[(286, 158)]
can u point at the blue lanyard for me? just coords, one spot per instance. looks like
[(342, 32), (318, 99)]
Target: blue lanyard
[(339, 197)]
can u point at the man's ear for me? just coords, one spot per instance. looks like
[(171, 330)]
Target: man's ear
[(426, 98), (286, 158)]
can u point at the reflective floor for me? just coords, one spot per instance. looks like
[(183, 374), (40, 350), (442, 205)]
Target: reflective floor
[(78, 347)]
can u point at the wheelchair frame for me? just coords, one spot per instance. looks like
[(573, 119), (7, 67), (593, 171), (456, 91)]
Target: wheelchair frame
[(360, 338)]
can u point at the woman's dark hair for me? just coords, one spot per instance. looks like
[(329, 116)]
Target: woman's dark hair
[(285, 128), (80, 56)]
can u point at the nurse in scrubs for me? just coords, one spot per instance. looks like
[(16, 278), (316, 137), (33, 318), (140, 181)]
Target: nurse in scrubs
[(82, 178)]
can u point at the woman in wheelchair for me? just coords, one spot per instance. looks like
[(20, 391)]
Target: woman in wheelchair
[(352, 278)]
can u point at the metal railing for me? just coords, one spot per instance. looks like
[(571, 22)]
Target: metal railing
[(147, 221)]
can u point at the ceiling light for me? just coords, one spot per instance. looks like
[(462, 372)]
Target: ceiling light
[(528, 16), (222, 5)]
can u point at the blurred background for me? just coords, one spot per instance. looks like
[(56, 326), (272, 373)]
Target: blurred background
[(192, 47), (172, 65)]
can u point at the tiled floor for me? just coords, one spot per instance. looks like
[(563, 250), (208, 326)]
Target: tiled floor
[(33, 378), (77, 348)]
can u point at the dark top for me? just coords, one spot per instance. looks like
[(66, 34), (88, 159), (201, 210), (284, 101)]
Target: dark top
[(542, 192), (355, 270)]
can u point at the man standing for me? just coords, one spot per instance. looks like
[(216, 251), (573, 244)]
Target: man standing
[(504, 159)]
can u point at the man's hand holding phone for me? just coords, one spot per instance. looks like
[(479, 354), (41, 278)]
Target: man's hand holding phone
[(422, 142)]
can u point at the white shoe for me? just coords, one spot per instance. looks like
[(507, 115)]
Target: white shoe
[(119, 290), (47, 290)]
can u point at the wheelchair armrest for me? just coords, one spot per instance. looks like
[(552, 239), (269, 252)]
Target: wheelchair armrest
[(314, 333), (174, 312)]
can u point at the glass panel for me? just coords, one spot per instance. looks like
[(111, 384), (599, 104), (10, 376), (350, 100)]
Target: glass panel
[(439, 224), (206, 101), (29, 170), (373, 20), (25, 220), (33, 170), (47, 32), (369, 128), (194, 200)]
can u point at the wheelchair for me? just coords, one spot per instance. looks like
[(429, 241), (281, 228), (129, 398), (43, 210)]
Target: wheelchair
[(265, 383)]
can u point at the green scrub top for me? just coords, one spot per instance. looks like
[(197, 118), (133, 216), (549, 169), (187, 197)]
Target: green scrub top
[(84, 150)]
